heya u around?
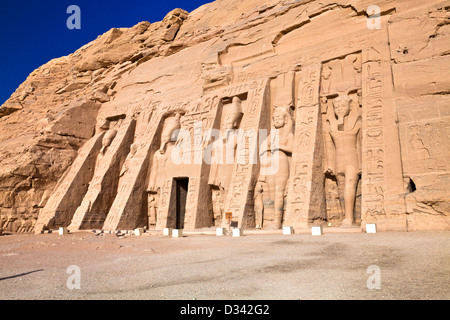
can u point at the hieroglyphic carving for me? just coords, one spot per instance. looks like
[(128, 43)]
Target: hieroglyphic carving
[(164, 205), (165, 194), (426, 147), (244, 172), (304, 190), (373, 155), (341, 75)]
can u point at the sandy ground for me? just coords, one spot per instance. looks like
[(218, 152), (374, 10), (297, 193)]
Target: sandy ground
[(198, 266)]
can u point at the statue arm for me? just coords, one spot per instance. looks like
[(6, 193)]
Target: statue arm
[(289, 144), (329, 149), (358, 145)]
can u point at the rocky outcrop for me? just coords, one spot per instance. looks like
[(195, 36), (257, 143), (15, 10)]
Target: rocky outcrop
[(296, 60)]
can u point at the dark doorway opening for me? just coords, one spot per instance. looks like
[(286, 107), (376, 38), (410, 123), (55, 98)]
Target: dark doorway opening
[(181, 194)]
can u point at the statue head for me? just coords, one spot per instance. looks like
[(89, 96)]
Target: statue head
[(233, 115), (107, 139), (280, 117), (133, 149), (342, 107)]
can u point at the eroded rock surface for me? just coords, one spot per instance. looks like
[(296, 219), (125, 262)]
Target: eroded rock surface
[(383, 159)]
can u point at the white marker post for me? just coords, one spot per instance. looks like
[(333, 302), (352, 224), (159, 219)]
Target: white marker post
[(237, 232), (220, 232), (288, 230), (177, 233), (371, 228), (316, 231)]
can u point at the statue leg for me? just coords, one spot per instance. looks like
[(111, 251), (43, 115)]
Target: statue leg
[(258, 217), (351, 180), (281, 179), (279, 206), (340, 178), (269, 202)]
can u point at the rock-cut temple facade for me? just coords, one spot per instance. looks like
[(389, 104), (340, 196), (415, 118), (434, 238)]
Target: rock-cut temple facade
[(261, 113)]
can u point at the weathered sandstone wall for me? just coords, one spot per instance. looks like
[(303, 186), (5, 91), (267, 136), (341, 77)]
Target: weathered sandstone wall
[(82, 139)]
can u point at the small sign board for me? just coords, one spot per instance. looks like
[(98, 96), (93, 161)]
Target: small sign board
[(234, 224), (228, 215)]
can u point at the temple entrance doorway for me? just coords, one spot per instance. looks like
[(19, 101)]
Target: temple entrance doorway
[(181, 189)]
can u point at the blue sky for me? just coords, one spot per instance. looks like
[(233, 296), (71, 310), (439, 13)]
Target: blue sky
[(34, 32)]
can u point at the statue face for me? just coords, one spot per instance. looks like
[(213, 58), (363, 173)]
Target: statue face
[(342, 107), (231, 120), (106, 142), (133, 148), (279, 119), (108, 138)]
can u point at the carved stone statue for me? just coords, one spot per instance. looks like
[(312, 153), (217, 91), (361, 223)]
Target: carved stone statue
[(217, 203), (259, 204), (222, 167), (344, 152), (127, 164), (170, 125), (334, 210), (276, 181), (161, 157), (106, 142), (3, 220), (152, 209)]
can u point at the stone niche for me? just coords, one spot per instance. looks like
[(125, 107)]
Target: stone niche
[(340, 105)]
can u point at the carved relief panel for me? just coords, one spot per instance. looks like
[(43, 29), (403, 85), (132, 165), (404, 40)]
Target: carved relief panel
[(305, 186)]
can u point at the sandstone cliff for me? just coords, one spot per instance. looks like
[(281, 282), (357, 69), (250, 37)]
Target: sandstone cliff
[(134, 73)]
